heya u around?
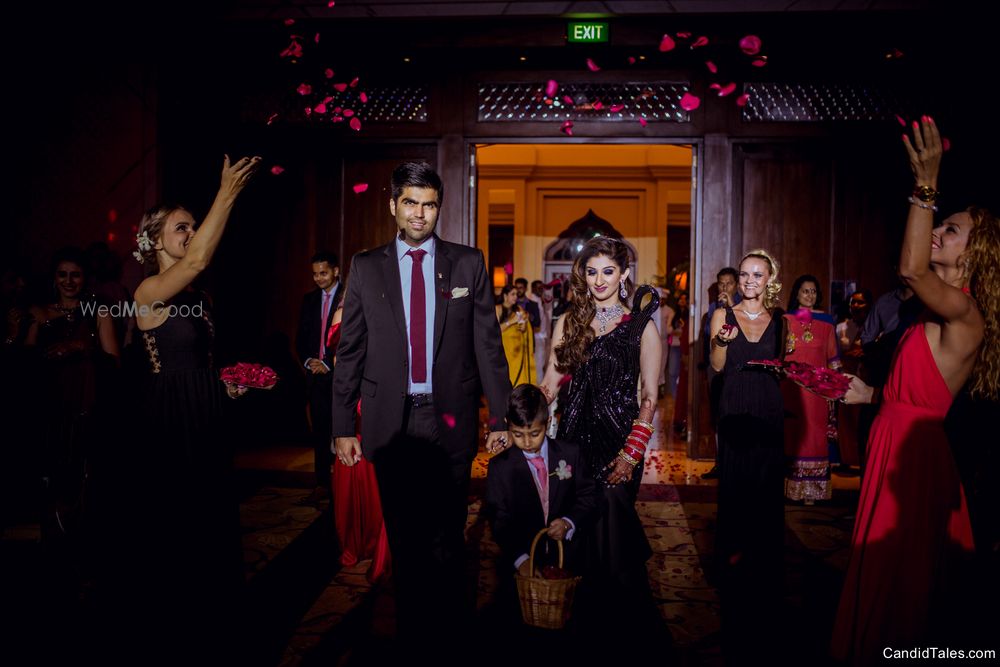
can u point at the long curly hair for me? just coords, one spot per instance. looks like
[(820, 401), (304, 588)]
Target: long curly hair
[(773, 287), (574, 350), (982, 270), (152, 224)]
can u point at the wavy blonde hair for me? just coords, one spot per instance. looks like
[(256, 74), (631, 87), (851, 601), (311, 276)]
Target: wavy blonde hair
[(982, 271), (773, 287), (152, 224)]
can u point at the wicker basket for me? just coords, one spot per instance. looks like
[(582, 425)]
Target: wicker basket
[(545, 603)]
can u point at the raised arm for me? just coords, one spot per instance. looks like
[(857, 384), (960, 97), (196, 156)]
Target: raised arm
[(169, 283)]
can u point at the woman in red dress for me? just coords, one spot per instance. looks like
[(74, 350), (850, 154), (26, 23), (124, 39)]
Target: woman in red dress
[(357, 508), (912, 538)]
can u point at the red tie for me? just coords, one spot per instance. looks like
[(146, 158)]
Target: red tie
[(322, 325), (543, 482), (418, 319)]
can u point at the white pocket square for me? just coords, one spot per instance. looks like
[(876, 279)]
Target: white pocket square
[(459, 292)]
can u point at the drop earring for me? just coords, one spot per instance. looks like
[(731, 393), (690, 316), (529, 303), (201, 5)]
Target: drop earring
[(621, 290)]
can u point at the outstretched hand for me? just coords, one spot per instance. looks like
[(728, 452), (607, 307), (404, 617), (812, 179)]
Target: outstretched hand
[(235, 176), (924, 151)]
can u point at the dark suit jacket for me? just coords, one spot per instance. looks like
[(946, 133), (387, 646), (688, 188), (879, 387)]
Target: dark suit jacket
[(512, 503), (307, 336), (372, 357), (534, 314)]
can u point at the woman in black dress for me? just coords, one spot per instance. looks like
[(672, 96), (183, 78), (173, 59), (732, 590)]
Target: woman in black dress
[(610, 354), (189, 523), (750, 522)]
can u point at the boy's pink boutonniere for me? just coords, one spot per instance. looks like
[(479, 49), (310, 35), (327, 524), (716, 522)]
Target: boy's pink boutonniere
[(563, 470)]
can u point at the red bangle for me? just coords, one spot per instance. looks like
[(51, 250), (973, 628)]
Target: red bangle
[(634, 445), (637, 438), (642, 429), (633, 452)]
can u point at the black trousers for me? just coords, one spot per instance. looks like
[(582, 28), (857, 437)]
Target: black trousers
[(320, 389), (424, 492)]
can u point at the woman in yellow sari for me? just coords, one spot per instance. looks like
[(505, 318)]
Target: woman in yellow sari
[(518, 338)]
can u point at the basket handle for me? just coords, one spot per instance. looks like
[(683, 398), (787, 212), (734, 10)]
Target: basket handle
[(534, 545)]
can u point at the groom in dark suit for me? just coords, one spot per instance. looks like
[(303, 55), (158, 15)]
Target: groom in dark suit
[(318, 307), (419, 344)]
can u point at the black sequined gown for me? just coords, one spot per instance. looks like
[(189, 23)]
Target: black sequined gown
[(750, 521), (602, 402)]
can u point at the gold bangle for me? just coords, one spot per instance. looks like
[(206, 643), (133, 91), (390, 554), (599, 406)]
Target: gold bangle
[(639, 422), (925, 193), (628, 459)]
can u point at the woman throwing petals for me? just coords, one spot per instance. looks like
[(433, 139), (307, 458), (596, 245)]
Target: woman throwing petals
[(912, 538), (612, 351)]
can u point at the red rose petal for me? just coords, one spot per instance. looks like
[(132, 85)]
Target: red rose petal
[(304, 89), (320, 108), (760, 62), (293, 50), (750, 45), (364, 98), (340, 87), (328, 73), (565, 128), (449, 420), (112, 215), (568, 100), (289, 21), (642, 121), (508, 268), (359, 188), (667, 44), (592, 66), (945, 144), (683, 35), (715, 86), (331, 3), (564, 379), (598, 105), (277, 169), (551, 87), (727, 89), (742, 100), (701, 41), (271, 118), (899, 119), (354, 82), (711, 66), (690, 102), (631, 60), (307, 111), (355, 124), (348, 112), (316, 38), (615, 108)]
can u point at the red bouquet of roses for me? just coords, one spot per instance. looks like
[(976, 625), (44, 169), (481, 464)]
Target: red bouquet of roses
[(823, 381), (256, 376)]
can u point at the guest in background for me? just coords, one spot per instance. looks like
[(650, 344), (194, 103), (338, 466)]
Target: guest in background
[(518, 338)]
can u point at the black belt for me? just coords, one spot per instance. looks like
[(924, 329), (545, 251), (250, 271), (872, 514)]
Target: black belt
[(419, 400)]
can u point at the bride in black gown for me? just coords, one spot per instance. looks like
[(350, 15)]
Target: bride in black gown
[(188, 528), (610, 354)]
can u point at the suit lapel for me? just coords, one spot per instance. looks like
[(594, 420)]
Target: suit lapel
[(555, 488), (442, 290), (392, 290)]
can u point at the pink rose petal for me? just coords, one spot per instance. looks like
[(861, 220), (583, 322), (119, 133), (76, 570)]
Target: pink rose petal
[(565, 128), (642, 121), (899, 119), (631, 60), (568, 100), (271, 118), (348, 112), (760, 62), (509, 268), (945, 144), (615, 108), (359, 188), (331, 3), (551, 87), (355, 124), (340, 87), (701, 41), (320, 108), (363, 97), (683, 35), (711, 66), (307, 111), (293, 50), (354, 82), (690, 102), (316, 38), (727, 89), (449, 420), (742, 100), (289, 21), (277, 169), (328, 73), (667, 44), (598, 105), (337, 119), (592, 66), (715, 86), (304, 89), (750, 45)]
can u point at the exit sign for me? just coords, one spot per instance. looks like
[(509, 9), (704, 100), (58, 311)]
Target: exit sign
[(587, 32)]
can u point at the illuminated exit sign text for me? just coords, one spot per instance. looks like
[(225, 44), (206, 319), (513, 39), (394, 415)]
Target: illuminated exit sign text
[(588, 32)]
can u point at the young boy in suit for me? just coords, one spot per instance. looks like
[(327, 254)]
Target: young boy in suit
[(537, 483)]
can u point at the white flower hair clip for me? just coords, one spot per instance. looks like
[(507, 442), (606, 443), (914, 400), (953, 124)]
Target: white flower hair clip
[(142, 240)]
